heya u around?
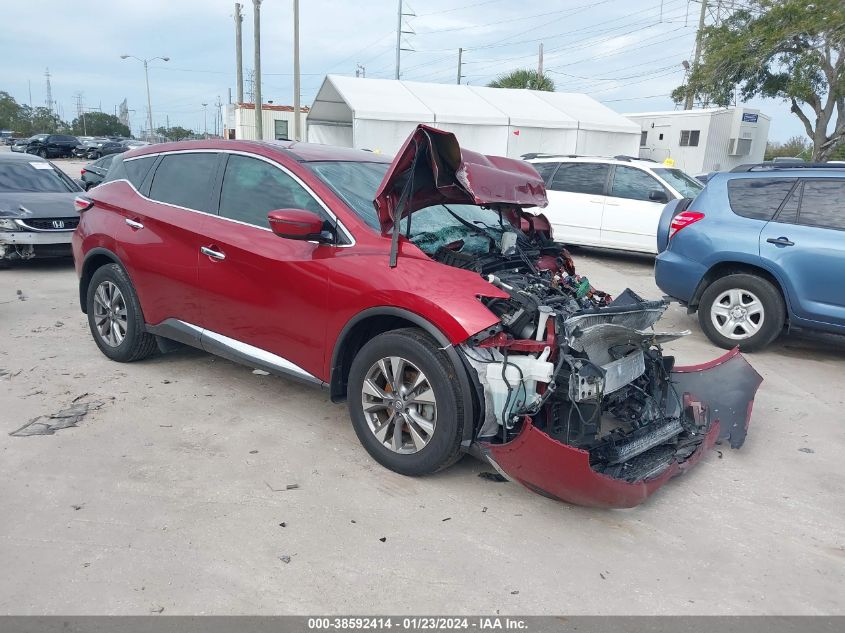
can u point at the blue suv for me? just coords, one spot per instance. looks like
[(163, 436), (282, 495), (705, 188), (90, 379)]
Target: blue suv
[(761, 248)]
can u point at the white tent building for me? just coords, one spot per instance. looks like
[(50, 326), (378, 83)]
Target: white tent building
[(379, 114)]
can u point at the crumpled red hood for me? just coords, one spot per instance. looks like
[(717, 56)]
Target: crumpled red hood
[(431, 168)]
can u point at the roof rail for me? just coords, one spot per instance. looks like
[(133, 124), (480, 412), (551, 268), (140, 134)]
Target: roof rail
[(627, 158), (768, 166), (533, 155)]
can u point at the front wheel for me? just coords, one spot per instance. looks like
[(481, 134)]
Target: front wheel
[(405, 403), (115, 317), (42, 153), (742, 309)]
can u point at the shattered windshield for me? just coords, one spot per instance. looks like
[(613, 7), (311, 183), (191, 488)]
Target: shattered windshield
[(463, 227)]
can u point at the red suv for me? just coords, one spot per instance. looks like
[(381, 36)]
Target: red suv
[(420, 290)]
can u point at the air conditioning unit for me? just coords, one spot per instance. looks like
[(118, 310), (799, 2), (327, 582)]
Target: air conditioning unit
[(739, 146)]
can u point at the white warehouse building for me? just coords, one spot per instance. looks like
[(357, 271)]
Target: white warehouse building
[(701, 141), (379, 114)]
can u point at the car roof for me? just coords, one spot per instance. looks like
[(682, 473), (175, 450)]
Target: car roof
[(610, 160), (783, 170), (9, 157), (298, 151)]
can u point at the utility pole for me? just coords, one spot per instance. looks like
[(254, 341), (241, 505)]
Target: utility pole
[(29, 86), (460, 64), (259, 124), (696, 54), (205, 120), (296, 123), (398, 39), (239, 53), (360, 71), (540, 67), (218, 116)]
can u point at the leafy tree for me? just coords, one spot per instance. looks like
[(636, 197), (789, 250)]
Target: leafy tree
[(44, 120), (795, 147), (14, 116), (784, 49), (175, 133), (523, 78), (99, 124)]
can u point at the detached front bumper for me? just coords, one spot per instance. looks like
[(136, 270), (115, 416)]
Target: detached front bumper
[(722, 389)]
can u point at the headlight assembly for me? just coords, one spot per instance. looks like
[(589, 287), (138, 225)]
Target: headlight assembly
[(8, 225)]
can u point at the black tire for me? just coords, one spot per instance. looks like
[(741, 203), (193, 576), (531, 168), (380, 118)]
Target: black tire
[(42, 153), (419, 349), (773, 311), (137, 344)]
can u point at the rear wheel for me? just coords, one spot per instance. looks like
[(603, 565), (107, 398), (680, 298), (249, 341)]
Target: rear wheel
[(741, 309), (115, 317), (405, 403)]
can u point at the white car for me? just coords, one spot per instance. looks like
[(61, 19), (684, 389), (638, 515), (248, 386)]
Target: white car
[(609, 202)]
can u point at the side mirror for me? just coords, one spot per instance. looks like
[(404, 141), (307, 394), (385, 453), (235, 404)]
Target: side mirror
[(658, 195), (299, 224)]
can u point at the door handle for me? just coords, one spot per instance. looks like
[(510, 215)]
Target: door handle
[(780, 241), (205, 250), (134, 224), (597, 201)]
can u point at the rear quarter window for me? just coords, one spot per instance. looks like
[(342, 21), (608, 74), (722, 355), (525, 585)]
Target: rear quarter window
[(758, 198)]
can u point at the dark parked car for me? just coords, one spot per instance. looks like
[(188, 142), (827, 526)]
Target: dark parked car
[(94, 173), (464, 329), (103, 148), (52, 145), (86, 144), (37, 216), (761, 249)]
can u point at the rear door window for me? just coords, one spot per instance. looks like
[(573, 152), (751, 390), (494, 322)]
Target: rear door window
[(821, 204), (184, 180), (590, 178), (252, 188), (633, 183), (758, 198)]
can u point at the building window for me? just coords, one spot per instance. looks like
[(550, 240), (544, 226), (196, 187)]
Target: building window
[(689, 138), (643, 138), (281, 131)]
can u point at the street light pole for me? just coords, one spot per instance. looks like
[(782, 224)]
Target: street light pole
[(205, 120), (297, 134), (147, 80)]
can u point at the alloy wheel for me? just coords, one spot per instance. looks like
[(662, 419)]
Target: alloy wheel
[(110, 314), (399, 405), (737, 314)]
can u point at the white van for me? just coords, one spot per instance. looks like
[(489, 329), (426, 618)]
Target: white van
[(609, 202)]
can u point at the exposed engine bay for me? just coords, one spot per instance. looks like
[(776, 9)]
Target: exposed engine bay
[(577, 400), (585, 369)]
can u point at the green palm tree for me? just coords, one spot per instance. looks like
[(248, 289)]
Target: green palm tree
[(523, 78)]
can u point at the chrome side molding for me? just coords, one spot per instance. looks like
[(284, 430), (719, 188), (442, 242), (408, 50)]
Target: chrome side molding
[(231, 349)]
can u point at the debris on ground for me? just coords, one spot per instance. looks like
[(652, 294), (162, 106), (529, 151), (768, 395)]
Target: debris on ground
[(8, 372), (492, 477), (283, 524), (602, 576), (447, 519), (484, 509), (260, 372), (806, 450), (353, 521), (78, 507), (253, 452), (287, 487), (383, 539), (515, 593), (284, 558), (157, 610), (21, 295), (66, 418), (58, 324)]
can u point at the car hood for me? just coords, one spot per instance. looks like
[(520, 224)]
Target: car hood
[(37, 205), (431, 168)]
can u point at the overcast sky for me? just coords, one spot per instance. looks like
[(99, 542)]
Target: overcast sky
[(619, 51)]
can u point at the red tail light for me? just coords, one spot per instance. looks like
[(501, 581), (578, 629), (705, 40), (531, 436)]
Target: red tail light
[(81, 172), (683, 220)]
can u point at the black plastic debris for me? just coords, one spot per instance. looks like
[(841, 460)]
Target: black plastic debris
[(66, 418), (284, 558), (383, 539), (492, 477), (806, 450)]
